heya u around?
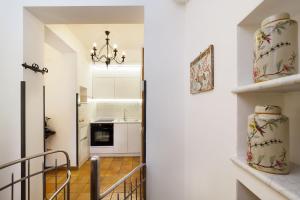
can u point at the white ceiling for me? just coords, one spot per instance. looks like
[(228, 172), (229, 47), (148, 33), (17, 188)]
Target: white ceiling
[(89, 14), (88, 24), (126, 36)]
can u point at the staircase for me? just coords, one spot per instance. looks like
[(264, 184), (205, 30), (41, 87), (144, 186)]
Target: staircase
[(132, 186), (24, 185)]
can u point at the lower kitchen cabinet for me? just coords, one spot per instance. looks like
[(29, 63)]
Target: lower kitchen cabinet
[(120, 138), (127, 138), (134, 138)]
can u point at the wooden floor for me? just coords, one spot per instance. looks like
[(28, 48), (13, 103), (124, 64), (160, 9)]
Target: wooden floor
[(111, 170)]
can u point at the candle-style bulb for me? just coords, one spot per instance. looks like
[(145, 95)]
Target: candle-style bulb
[(123, 53), (115, 46), (94, 44)]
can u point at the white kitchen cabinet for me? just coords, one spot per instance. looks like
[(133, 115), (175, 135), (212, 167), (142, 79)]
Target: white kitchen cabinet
[(103, 87), (84, 146), (120, 138), (127, 88), (134, 139)]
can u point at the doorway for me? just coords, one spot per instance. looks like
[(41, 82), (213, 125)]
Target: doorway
[(67, 79)]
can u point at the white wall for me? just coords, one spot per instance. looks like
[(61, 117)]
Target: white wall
[(33, 52), (84, 69), (164, 72), (10, 76), (75, 71), (210, 124), (60, 93)]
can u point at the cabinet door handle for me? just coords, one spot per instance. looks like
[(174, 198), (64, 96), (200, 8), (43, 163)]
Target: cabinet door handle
[(83, 138)]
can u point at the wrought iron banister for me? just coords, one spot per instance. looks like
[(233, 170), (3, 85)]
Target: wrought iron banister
[(95, 188), (119, 182), (65, 185)]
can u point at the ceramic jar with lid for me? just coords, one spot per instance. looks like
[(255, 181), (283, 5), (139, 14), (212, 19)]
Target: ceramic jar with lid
[(276, 48), (268, 140)]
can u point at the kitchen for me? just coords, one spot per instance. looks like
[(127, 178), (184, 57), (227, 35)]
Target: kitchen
[(116, 107)]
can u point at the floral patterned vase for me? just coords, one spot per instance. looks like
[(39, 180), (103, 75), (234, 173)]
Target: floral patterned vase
[(268, 140), (276, 48)]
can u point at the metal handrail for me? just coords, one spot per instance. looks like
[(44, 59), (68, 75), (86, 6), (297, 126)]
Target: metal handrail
[(119, 182), (95, 175), (34, 156), (65, 185), (62, 186)]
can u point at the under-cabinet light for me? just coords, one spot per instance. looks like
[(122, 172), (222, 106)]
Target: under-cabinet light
[(116, 67), (115, 100)]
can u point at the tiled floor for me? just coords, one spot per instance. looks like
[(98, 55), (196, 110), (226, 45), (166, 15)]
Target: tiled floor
[(111, 170)]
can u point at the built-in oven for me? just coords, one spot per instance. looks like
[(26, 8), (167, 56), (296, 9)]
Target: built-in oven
[(102, 134)]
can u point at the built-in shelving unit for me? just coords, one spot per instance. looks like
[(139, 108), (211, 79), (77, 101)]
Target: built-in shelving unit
[(284, 92), (286, 185), (285, 84)]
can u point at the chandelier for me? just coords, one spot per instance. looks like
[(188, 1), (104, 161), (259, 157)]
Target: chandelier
[(106, 53)]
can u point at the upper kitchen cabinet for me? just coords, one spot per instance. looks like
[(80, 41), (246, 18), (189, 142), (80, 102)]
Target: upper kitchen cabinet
[(127, 88), (117, 83), (103, 87)]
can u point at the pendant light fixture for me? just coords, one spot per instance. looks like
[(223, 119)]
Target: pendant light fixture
[(107, 53)]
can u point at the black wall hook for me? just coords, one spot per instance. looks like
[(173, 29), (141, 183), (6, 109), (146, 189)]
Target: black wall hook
[(35, 67)]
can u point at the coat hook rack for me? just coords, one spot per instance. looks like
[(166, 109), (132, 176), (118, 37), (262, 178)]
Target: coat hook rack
[(35, 67)]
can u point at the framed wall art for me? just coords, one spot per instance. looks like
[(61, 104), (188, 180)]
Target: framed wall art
[(202, 72)]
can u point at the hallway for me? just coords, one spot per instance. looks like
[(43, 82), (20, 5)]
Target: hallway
[(111, 170)]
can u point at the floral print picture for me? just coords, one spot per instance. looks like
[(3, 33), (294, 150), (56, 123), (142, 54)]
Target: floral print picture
[(202, 72)]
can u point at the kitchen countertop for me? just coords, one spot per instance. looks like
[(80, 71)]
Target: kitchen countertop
[(118, 121)]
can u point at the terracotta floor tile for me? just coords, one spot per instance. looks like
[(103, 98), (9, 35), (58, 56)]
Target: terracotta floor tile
[(86, 188), (76, 187), (83, 179), (74, 196), (111, 170), (84, 196)]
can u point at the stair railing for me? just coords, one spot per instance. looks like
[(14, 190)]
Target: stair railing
[(64, 187), (132, 189)]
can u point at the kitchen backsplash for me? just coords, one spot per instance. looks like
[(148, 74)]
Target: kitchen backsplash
[(116, 110)]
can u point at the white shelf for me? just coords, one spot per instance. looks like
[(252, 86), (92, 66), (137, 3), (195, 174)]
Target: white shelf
[(268, 8), (285, 84), (286, 185)]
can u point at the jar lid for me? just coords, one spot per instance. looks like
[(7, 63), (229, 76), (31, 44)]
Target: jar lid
[(275, 17), (268, 109)]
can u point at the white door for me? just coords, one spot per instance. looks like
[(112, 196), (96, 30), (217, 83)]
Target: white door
[(127, 88), (120, 138), (103, 87), (134, 137)]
